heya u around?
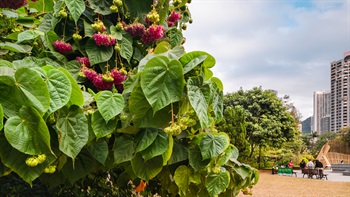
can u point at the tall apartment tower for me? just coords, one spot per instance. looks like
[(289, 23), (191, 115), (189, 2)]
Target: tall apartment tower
[(340, 92), (322, 111)]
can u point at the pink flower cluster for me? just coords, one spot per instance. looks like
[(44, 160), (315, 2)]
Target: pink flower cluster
[(13, 4), (135, 29), (154, 32), (173, 18), (84, 61), (100, 84), (62, 46), (118, 76), (104, 39)]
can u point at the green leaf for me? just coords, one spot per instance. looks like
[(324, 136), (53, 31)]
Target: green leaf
[(182, 178), (138, 9), (101, 6), (124, 149), (158, 147), (146, 138), (126, 48), (213, 145), (100, 127), (1, 117), (15, 160), (28, 132), (176, 37), (116, 34), (173, 54), (197, 93), (242, 171), (76, 8), (162, 82), (180, 152), (218, 83), (162, 48), (146, 169), (188, 57), (33, 89), (196, 160), (42, 6), (143, 114), (109, 104), (228, 154), (9, 14), (60, 89), (99, 150), (18, 48), (78, 169), (217, 183), (29, 35), (98, 54), (5, 63), (72, 129), (76, 97), (217, 104), (167, 154), (193, 63), (49, 38)]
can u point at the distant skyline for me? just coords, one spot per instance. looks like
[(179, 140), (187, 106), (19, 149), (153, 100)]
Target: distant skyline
[(284, 45)]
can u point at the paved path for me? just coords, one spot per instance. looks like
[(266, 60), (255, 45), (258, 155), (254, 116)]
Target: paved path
[(332, 176)]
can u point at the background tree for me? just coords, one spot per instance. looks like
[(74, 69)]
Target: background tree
[(235, 125), (268, 121)]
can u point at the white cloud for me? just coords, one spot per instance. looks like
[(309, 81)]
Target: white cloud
[(274, 43)]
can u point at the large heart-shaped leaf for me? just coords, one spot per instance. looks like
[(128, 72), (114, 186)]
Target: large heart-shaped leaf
[(182, 178), (15, 160), (180, 152), (99, 150), (109, 104), (76, 97), (33, 89), (124, 149), (213, 145), (81, 167), (126, 48), (217, 183), (158, 147), (76, 8), (29, 35), (59, 86), (162, 82), (196, 160), (192, 59), (142, 112), (198, 93), (101, 6), (72, 130), (100, 127), (218, 106), (146, 169), (28, 132), (98, 54), (138, 9), (146, 138)]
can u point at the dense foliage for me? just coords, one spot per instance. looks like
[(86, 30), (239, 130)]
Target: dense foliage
[(104, 92)]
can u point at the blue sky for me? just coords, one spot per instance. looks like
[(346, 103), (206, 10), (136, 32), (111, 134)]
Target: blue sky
[(285, 45)]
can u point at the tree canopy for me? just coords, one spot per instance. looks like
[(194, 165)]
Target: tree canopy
[(268, 122)]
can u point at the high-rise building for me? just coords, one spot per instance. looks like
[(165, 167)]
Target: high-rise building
[(306, 125), (340, 90), (322, 111)]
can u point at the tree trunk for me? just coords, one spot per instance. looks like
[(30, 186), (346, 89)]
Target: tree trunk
[(259, 158)]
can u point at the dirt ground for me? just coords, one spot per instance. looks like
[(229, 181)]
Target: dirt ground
[(286, 186)]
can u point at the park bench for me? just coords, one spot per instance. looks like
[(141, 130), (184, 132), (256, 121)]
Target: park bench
[(318, 173)]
